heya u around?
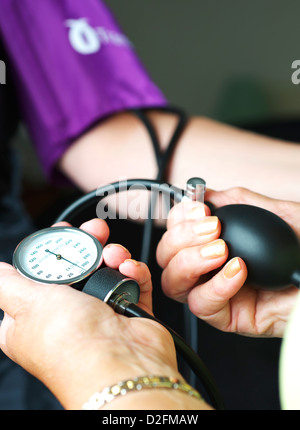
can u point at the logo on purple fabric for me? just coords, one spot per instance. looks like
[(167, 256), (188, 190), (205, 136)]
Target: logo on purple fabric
[(2, 73), (86, 39)]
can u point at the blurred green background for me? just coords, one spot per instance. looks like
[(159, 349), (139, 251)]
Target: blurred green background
[(226, 59)]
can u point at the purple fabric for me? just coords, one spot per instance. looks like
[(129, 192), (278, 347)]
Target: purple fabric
[(73, 66)]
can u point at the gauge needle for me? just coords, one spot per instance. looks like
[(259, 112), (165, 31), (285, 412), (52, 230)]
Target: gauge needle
[(59, 257)]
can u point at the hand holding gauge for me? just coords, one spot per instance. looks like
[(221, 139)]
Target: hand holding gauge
[(69, 255), (35, 259)]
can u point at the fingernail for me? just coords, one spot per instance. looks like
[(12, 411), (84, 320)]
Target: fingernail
[(195, 213), (130, 260), (213, 249), (207, 225), (117, 244), (232, 268)]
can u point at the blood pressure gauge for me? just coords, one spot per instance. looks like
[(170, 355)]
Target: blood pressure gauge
[(60, 255)]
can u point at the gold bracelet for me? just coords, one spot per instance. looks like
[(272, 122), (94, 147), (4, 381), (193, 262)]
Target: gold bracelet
[(108, 394)]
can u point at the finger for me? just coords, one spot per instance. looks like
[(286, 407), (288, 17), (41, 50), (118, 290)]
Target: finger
[(240, 195), (114, 254), (62, 224), (286, 210), (186, 234), (211, 300), (186, 210), (188, 265), (140, 272), (96, 227)]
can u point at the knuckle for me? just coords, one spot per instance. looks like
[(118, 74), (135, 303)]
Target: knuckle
[(238, 193), (185, 267)]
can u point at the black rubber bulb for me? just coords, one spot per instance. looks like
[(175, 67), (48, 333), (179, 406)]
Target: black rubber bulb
[(267, 244)]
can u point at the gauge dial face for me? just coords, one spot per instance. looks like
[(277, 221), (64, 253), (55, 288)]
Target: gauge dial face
[(60, 255)]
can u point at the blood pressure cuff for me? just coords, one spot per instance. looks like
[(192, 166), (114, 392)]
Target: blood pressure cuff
[(73, 66)]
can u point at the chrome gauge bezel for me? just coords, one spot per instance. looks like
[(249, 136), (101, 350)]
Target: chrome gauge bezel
[(26, 243)]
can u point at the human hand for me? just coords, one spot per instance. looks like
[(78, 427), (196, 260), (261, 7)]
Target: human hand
[(74, 343), (191, 251)]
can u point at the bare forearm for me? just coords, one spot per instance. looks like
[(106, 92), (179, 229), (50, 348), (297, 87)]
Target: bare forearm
[(222, 155), (228, 157)]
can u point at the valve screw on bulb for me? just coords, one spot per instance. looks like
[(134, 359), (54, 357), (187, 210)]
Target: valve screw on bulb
[(195, 189)]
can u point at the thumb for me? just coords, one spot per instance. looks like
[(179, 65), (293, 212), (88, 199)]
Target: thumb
[(239, 195), (211, 301)]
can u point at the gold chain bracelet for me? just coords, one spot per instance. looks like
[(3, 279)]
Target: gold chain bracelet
[(108, 394)]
